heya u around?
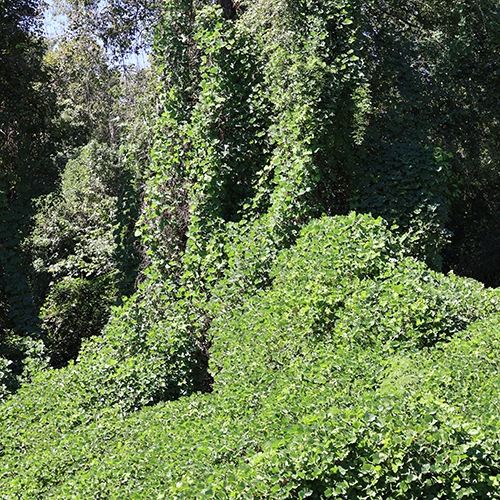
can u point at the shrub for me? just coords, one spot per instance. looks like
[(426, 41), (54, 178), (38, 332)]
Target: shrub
[(75, 309)]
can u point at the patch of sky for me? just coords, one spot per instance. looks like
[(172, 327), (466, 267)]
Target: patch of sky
[(55, 26)]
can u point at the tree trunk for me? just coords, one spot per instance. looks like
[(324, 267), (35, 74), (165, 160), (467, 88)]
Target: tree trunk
[(228, 8)]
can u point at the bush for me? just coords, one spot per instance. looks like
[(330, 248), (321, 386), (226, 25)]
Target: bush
[(75, 309)]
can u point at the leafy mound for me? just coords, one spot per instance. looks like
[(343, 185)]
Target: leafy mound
[(353, 376)]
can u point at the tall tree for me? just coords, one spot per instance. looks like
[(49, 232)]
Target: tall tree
[(88, 89), (26, 170), (25, 100), (122, 26), (432, 85)]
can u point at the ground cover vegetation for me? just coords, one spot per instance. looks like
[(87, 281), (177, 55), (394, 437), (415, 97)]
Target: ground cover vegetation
[(245, 271)]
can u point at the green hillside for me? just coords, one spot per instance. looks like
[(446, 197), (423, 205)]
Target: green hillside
[(246, 271), (356, 374)]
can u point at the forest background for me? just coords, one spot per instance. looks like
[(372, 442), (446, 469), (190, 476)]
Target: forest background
[(141, 207)]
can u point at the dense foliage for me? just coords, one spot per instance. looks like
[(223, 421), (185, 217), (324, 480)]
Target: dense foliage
[(224, 280), (332, 392), (26, 165)]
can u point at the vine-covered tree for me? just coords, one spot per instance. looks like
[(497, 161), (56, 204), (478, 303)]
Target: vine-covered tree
[(431, 121), (270, 114)]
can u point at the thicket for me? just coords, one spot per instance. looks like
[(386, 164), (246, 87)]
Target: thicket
[(335, 381), (224, 326)]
